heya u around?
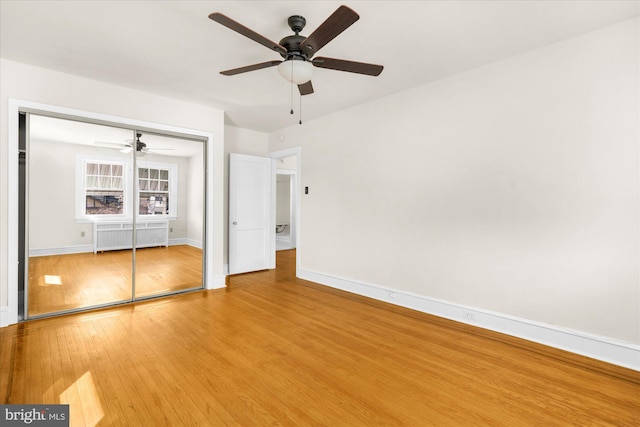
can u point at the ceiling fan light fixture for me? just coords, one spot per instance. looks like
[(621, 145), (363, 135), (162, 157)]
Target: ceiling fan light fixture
[(296, 71)]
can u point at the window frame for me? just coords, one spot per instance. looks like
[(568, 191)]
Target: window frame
[(172, 192), (131, 195)]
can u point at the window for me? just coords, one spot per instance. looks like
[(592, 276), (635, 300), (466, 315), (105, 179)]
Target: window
[(103, 192), (153, 196), (104, 189)]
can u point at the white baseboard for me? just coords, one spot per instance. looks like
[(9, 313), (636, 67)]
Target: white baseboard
[(63, 250), (219, 282), (4, 316), (185, 241), (596, 347)]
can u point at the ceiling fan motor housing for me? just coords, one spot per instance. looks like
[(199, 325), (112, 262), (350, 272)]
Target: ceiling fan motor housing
[(292, 44), (139, 144), (296, 23)]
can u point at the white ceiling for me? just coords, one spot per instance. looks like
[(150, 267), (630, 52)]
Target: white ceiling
[(171, 48), (51, 129)]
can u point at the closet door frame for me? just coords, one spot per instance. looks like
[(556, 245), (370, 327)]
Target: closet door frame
[(21, 106)]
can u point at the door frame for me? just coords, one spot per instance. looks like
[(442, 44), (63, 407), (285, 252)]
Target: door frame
[(17, 106), (281, 154)]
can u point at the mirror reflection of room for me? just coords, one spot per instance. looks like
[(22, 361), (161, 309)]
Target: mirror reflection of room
[(89, 187)]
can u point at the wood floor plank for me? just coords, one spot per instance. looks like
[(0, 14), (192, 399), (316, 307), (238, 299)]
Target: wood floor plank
[(271, 349)]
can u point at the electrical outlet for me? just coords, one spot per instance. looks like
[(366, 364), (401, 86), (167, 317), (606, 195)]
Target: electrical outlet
[(82, 234), (469, 315)]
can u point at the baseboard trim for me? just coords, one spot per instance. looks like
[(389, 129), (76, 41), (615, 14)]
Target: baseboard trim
[(4, 316), (185, 241), (63, 250), (66, 250), (219, 282), (610, 351)]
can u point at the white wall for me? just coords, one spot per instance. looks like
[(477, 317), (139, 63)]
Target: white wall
[(34, 84), (52, 201), (52, 206), (288, 163), (511, 188)]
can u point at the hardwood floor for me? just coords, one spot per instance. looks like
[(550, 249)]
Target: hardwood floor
[(271, 349), (67, 282)]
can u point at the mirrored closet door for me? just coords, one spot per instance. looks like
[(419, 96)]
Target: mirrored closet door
[(111, 215), (169, 181)]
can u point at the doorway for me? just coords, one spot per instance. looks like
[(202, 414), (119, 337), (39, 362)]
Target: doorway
[(288, 163), (286, 200), (112, 214)]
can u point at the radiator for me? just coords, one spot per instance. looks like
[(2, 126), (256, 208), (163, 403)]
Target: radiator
[(110, 236)]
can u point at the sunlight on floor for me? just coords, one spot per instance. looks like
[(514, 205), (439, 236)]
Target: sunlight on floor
[(84, 402), (52, 280)]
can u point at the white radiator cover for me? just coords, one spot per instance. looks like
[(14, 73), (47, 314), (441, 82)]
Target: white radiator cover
[(109, 236)]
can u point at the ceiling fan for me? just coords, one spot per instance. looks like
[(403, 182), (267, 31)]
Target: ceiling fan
[(141, 147), (297, 50)]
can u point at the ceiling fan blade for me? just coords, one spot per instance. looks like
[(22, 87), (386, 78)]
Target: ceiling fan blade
[(339, 21), (306, 88), (253, 67), (349, 66), (247, 32), (110, 144)]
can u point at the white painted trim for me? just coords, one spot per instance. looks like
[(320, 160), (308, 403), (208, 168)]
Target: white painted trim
[(285, 172), (219, 282), (4, 316), (179, 241), (63, 250), (600, 348), (272, 226), (12, 216), (185, 241), (78, 249), (16, 106)]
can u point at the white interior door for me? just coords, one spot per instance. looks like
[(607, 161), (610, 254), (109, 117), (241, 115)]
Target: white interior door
[(251, 213)]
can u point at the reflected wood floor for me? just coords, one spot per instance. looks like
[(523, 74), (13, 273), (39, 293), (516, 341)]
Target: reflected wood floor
[(271, 349), (66, 282)]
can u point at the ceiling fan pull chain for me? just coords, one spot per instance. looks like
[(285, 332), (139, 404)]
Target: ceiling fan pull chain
[(300, 112), (291, 112)]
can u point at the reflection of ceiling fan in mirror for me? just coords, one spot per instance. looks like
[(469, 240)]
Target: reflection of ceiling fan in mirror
[(141, 147)]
